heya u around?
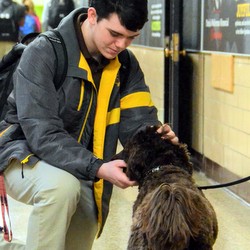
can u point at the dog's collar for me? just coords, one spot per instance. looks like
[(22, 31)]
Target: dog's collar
[(153, 170), (149, 172)]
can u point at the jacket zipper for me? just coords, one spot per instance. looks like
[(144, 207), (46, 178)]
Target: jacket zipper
[(24, 161), (86, 117)]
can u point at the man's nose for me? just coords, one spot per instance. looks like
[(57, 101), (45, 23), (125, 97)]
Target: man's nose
[(122, 43)]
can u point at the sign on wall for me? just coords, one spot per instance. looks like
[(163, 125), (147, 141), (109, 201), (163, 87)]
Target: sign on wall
[(226, 26), (153, 33)]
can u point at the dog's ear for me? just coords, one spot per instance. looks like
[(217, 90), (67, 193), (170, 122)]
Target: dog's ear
[(177, 155), (120, 156), (189, 164)]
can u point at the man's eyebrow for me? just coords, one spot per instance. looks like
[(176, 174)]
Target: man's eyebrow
[(119, 34)]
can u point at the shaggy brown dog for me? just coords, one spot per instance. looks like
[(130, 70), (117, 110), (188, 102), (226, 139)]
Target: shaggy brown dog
[(170, 212)]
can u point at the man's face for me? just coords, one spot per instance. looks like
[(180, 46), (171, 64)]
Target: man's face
[(110, 37)]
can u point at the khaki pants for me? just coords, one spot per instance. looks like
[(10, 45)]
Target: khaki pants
[(64, 214)]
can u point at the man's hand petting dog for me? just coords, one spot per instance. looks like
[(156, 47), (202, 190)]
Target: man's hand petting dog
[(167, 133), (112, 171)]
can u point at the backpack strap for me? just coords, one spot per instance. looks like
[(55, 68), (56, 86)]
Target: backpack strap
[(61, 56), (29, 38)]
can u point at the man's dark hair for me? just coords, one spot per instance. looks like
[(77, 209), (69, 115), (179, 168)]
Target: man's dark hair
[(133, 14)]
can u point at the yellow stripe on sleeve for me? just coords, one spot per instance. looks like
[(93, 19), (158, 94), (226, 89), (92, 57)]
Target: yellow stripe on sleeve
[(138, 99)]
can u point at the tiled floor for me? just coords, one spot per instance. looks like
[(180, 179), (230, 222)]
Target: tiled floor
[(233, 217)]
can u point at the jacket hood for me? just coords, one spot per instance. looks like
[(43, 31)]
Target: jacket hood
[(70, 38)]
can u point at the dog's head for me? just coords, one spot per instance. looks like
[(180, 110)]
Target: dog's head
[(147, 150)]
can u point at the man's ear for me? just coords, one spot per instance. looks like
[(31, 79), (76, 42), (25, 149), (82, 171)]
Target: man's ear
[(92, 15)]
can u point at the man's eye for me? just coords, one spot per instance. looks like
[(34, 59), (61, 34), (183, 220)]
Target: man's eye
[(114, 34), (131, 38)]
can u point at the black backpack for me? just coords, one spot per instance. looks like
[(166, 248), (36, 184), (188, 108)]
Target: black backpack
[(9, 14), (58, 9), (9, 63)]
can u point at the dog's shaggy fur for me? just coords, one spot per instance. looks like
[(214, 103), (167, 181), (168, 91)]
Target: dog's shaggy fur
[(170, 212)]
